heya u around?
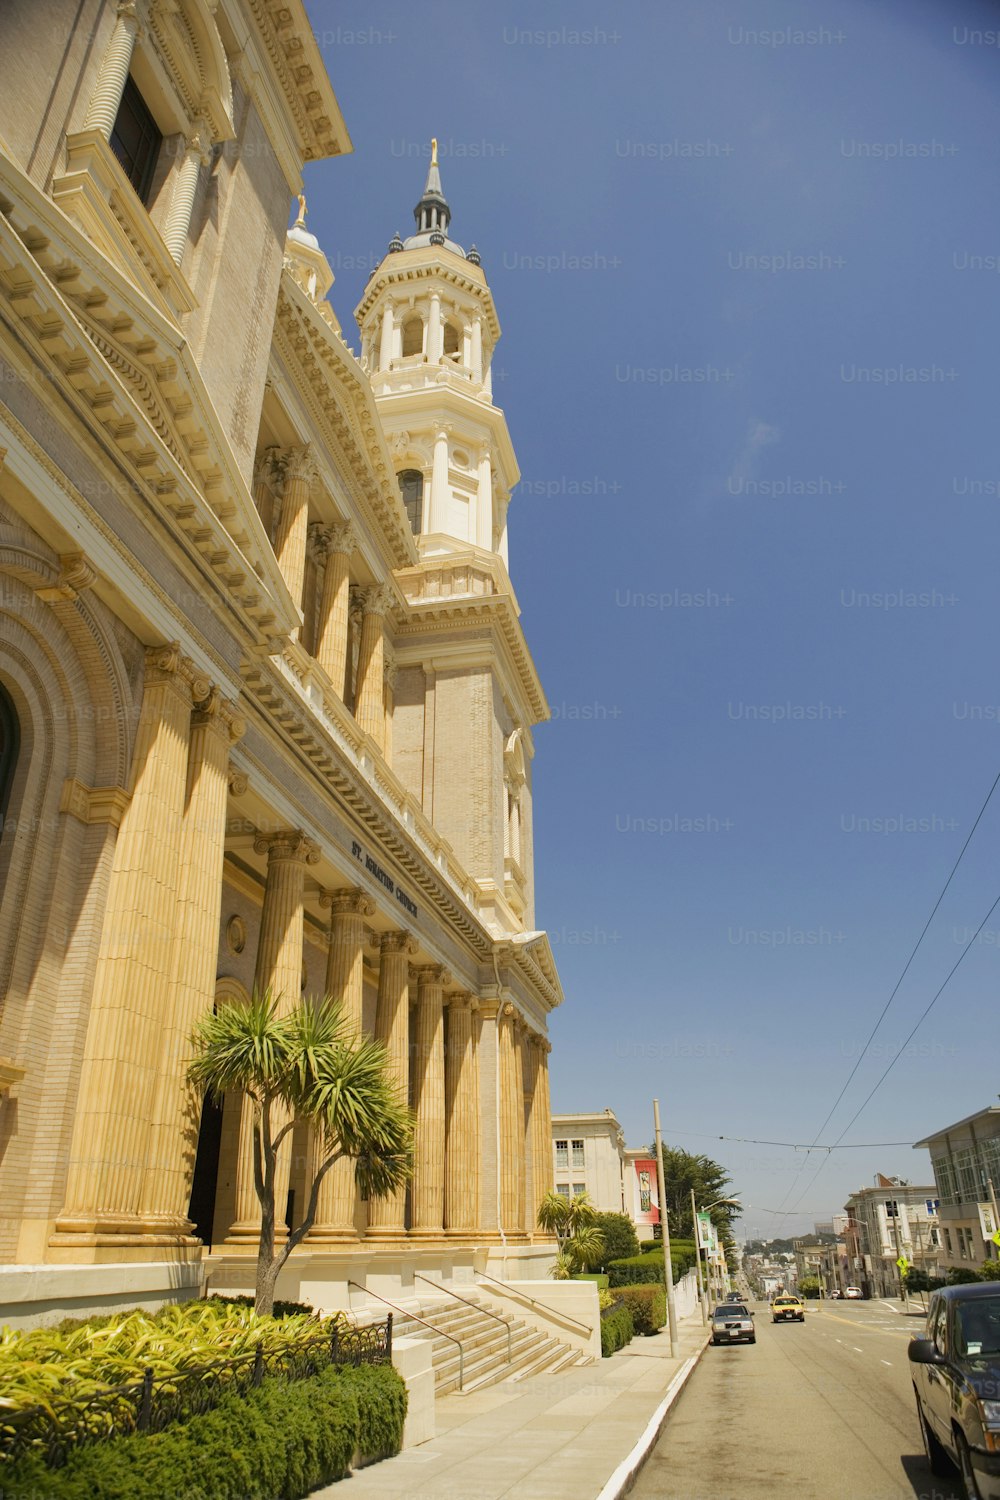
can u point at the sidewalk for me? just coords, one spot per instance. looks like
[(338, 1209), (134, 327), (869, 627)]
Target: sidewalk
[(569, 1436)]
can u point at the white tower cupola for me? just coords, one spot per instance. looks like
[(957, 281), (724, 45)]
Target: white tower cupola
[(428, 331)]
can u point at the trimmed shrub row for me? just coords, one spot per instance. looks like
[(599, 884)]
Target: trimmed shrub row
[(277, 1443), (640, 1270), (617, 1329), (648, 1306)]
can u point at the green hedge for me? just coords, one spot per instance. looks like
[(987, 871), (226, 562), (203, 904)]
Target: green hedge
[(648, 1306), (640, 1270), (277, 1443), (617, 1330)]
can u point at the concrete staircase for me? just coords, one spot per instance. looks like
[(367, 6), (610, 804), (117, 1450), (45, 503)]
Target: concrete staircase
[(484, 1343)]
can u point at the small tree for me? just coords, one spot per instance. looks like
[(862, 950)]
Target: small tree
[(304, 1066), (573, 1221), (618, 1233)]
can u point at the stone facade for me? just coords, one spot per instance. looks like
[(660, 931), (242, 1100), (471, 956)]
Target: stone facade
[(263, 721)]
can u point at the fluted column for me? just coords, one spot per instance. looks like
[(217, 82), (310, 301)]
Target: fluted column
[(440, 489), (370, 708), (539, 1129), (427, 1193), (461, 1077), (477, 349), (386, 1216), (105, 103), (484, 501), (173, 1139), (345, 982), (135, 963), (519, 1121), (175, 231), (388, 704), (434, 330), (331, 635), (278, 969), (385, 343), (290, 538), (511, 1126), (547, 1184)]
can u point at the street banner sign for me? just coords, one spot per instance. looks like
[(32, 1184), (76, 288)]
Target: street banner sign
[(706, 1232)]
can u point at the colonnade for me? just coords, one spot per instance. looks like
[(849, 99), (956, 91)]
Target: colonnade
[(135, 1133), (130, 1163)]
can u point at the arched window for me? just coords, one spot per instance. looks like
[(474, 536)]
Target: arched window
[(413, 336), (411, 487), (10, 745), (452, 340)]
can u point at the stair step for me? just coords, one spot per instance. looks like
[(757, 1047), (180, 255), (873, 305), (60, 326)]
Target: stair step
[(482, 1330)]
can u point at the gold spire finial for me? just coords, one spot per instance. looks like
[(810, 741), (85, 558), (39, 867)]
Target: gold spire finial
[(434, 151), (302, 209)]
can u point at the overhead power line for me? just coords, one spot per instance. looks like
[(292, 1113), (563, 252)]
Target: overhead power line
[(899, 981), (749, 1140), (929, 1007)]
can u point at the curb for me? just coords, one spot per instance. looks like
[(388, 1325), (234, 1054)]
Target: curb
[(627, 1471)]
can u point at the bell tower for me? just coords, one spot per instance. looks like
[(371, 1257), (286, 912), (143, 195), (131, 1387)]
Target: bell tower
[(466, 691), (428, 332)]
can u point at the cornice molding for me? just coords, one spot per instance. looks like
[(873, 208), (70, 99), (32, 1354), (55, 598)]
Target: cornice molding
[(128, 375)]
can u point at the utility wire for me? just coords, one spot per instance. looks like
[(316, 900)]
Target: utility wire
[(930, 1006), (749, 1140), (906, 967)]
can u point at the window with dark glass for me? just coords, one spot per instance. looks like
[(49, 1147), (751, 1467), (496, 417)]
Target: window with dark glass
[(136, 141), (411, 487)]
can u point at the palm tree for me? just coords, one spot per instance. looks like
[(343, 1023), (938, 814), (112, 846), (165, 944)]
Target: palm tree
[(573, 1221), (304, 1066)]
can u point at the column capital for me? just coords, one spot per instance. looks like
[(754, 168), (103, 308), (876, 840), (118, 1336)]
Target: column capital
[(214, 710), (268, 466), (238, 783), (377, 599), (341, 537), (300, 463), (166, 663), (348, 899), (431, 974), (287, 843), (460, 1000), (397, 942)]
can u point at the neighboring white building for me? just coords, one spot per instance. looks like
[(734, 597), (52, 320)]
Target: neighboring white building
[(965, 1160), (590, 1156), (890, 1220)]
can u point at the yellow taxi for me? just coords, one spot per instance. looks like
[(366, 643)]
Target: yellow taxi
[(788, 1309)]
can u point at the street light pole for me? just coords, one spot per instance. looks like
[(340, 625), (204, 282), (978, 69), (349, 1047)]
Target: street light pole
[(697, 1260), (899, 1253), (668, 1270)]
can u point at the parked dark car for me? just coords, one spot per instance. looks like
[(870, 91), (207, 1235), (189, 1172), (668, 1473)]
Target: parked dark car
[(955, 1368)]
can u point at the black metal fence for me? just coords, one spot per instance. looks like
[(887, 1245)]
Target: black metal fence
[(52, 1432)]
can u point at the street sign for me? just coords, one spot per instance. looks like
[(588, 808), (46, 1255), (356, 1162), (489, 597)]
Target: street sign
[(903, 1263), (996, 1237)]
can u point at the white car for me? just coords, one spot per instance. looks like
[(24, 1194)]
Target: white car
[(854, 1294)]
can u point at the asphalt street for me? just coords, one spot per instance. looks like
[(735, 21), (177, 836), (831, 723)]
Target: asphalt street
[(820, 1410)]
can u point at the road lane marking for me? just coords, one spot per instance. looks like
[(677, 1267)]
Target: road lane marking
[(868, 1327), (886, 1362), (856, 1349)]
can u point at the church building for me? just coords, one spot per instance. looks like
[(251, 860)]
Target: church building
[(266, 704)]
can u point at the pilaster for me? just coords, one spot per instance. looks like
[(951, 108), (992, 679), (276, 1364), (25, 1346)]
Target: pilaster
[(386, 1216), (427, 1193)]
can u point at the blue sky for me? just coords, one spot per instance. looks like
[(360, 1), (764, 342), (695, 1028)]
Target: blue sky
[(746, 257)]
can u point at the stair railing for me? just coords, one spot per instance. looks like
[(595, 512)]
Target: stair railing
[(515, 1291), (419, 1276), (407, 1314)]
